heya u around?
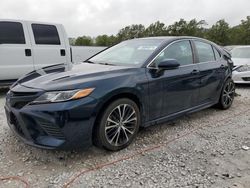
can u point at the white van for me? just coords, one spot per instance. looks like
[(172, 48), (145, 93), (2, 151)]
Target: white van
[(26, 46)]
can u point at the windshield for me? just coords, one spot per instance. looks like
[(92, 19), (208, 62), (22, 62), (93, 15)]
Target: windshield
[(127, 53), (241, 52)]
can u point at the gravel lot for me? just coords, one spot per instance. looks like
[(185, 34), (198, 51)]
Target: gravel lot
[(206, 149)]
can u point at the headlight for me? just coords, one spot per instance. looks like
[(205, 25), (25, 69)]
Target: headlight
[(60, 96), (243, 68)]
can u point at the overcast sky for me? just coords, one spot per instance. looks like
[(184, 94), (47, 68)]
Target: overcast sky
[(94, 17)]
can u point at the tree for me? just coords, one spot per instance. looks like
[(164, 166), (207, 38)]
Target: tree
[(241, 33), (84, 41), (156, 29), (195, 28), (113, 40), (130, 32), (102, 40), (235, 35), (105, 40), (178, 28), (219, 33), (191, 28)]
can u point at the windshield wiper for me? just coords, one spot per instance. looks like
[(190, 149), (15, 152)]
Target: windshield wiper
[(107, 64), (88, 61)]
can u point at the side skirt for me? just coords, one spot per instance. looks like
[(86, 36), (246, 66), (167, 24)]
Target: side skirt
[(179, 114)]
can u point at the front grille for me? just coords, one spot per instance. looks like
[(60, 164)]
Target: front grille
[(20, 99), (246, 78), (21, 94), (52, 130)]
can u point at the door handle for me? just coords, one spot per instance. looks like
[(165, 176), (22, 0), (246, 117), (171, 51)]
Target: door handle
[(63, 52), (195, 71), (28, 52)]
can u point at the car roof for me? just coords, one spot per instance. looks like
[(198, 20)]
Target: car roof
[(166, 39)]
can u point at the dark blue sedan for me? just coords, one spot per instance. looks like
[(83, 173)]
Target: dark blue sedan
[(105, 99)]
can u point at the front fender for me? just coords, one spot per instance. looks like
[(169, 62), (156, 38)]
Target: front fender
[(131, 93)]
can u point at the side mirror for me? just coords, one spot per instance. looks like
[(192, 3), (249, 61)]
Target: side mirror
[(168, 64)]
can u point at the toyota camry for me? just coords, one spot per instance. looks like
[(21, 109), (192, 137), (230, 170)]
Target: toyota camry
[(106, 99)]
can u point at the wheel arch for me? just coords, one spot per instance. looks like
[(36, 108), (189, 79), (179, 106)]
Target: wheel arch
[(115, 96)]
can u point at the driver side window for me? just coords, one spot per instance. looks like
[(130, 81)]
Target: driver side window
[(181, 51)]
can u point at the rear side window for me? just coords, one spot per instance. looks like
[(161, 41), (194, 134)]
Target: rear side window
[(205, 51), (217, 54), (45, 34), (11, 33)]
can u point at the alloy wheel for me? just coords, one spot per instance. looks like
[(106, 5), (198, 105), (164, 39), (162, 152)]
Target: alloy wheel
[(121, 125), (228, 93)]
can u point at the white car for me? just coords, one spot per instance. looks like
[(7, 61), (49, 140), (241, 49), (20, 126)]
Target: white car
[(241, 59), (26, 46)]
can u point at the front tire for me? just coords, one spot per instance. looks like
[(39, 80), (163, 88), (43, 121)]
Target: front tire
[(227, 95), (118, 125)]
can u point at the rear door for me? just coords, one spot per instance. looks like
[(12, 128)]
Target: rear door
[(212, 71), (15, 50), (48, 44)]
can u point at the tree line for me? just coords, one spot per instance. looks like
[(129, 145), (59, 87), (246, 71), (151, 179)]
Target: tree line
[(221, 32)]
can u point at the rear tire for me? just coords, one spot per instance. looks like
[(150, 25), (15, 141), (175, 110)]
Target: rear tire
[(118, 125), (227, 95)]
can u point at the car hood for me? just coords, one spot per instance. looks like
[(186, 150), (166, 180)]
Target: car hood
[(60, 77), (241, 61)]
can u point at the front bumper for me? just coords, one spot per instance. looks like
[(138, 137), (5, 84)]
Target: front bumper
[(241, 77), (65, 125)]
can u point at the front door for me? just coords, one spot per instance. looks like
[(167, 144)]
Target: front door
[(174, 90)]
